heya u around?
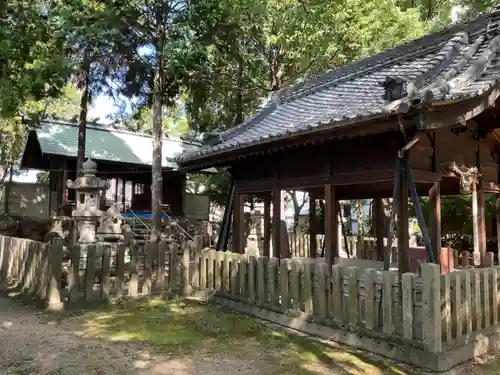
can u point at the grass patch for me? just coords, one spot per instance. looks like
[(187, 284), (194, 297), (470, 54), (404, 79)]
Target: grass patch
[(180, 329)]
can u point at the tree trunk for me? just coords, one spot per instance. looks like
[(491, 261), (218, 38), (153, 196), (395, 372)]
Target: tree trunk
[(82, 124), (6, 191), (275, 67), (239, 95), (296, 207), (156, 186)]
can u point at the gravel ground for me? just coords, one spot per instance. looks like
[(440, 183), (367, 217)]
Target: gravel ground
[(29, 345)]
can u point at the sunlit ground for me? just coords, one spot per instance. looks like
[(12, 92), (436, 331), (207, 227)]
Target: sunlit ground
[(191, 330)]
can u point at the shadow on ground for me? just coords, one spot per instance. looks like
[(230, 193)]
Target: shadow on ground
[(179, 329)]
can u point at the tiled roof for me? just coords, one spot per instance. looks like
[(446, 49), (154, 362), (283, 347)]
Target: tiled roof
[(107, 144), (458, 62)]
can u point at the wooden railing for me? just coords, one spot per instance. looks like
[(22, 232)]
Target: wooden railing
[(470, 303), (369, 302)]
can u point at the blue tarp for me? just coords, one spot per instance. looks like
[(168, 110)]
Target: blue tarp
[(141, 214)]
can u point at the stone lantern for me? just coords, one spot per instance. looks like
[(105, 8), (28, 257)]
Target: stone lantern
[(88, 189)]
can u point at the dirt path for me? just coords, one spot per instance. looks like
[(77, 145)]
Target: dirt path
[(29, 345)]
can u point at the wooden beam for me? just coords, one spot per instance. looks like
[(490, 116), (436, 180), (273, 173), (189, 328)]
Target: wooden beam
[(238, 244), (267, 225), (378, 208), (435, 221), (338, 179), (403, 226), (460, 112), (312, 225), (490, 187), (331, 227), (350, 128), (276, 223)]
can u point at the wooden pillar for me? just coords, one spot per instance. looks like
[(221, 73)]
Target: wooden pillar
[(331, 227), (475, 225), (403, 226), (497, 212), (267, 225), (276, 224), (238, 243), (435, 221), (132, 196), (116, 189), (124, 185), (312, 225), (378, 207), (482, 225), (65, 187)]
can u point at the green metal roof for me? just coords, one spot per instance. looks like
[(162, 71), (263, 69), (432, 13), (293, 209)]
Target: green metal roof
[(107, 144)]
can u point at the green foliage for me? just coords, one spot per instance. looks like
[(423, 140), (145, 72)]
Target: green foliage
[(456, 215), (245, 51), (42, 178), (216, 186), (174, 121), (13, 129), (32, 63)]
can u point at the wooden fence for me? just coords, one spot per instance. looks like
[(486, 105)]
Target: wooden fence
[(93, 272), (299, 244), (469, 303), (367, 302), (433, 321), (24, 266)]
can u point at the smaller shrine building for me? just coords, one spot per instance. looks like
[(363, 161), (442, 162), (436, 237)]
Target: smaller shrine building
[(123, 159)]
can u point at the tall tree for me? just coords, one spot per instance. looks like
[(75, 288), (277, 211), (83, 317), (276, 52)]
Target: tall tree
[(158, 28), (96, 41)]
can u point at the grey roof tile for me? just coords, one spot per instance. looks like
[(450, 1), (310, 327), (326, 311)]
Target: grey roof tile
[(457, 62)]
